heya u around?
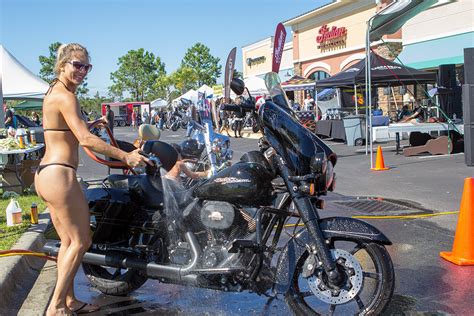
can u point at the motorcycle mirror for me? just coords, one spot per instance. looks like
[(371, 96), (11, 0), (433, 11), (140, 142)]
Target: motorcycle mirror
[(238, 86)]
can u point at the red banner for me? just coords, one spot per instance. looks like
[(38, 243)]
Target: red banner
[(229, 72), (278, 44)]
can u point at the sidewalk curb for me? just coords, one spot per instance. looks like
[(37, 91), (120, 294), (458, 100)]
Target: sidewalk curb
[(19, 273)]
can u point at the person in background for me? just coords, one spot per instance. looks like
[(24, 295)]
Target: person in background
[(224, 117), (260, 101), (9, 122), (418, 115), (239, 117), (145, 117), (153, 120), (308, 102), (134, 119), (56, 179), (110, 117), (193, 116), (35, 118)]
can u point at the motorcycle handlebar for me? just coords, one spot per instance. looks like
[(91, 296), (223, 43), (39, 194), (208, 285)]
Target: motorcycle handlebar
[(246, 107)]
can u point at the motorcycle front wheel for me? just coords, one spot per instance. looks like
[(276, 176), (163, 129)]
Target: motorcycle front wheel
[(174, 127), (367, 287)]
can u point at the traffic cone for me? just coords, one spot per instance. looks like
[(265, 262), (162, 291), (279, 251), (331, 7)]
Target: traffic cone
[(463, 247), (379, 163)]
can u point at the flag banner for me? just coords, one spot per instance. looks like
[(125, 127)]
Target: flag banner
[(278, 45), (229, 72)]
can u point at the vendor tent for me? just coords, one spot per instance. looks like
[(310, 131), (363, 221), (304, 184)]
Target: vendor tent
[(383, 73), (191, 95), (17, 82), (208, 92), (256, 86), (29, 105), (158, 103), (298, 83)]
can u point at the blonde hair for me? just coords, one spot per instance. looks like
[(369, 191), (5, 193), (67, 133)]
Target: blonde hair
[(64, 54)]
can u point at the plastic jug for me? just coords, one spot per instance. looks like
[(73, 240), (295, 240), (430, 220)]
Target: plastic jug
[(13, 213)]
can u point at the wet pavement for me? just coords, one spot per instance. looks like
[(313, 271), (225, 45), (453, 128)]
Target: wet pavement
[(425, 283)]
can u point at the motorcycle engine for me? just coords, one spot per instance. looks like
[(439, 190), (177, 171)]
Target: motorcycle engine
[(216, 224)]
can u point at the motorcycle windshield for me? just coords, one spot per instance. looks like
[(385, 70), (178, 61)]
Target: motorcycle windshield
[(292, 141)]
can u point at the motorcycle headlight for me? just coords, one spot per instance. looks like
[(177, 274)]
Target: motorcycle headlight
[(325, 169), (318, 163), (329, 175)]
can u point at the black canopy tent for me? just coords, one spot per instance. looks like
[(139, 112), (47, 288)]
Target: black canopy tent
[(383, 73)]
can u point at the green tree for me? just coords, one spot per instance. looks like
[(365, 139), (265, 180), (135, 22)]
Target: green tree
[(89, 104), (47, 63), (238, 74), (137, 75), (203, 63), (47, 69), (184, 79)]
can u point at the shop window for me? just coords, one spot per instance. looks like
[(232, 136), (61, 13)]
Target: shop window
[(319, 75)]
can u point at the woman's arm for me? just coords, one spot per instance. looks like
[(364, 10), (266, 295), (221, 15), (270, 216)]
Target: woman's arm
[(70, 110)]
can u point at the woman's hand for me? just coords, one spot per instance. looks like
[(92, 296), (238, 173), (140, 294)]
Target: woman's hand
[(135, 159)]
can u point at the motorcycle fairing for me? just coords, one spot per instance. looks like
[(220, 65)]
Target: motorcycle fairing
[(296, 144), (332, 228)]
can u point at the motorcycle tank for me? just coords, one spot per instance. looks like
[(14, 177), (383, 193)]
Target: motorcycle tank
[(242, 183), (296, 144)]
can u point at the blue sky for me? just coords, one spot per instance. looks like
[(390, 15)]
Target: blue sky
[(110, 28)]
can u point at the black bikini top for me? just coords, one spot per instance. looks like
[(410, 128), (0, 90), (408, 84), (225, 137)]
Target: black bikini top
[(53, 83)]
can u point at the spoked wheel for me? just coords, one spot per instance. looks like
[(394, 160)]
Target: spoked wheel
[(366, 288)]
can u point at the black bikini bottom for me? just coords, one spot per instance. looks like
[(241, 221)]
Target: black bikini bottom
[(41, 167)]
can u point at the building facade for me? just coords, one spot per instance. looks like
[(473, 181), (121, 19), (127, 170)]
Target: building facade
[(439, 35), (332, 38), (257, 59)]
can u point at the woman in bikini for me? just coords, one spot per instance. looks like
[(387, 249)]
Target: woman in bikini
[(55, 181)]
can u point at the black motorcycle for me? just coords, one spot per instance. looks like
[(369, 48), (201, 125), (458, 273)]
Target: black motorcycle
[(253, 226)]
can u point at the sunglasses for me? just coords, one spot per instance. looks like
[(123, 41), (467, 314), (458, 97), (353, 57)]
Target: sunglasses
[(80, 66)]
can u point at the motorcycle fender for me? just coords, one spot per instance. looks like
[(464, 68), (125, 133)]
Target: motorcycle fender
[(332, 227)]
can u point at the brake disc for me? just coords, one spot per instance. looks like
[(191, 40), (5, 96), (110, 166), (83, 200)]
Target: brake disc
[(348, 290)]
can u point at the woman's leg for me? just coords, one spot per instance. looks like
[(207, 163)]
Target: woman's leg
[(71, 215)]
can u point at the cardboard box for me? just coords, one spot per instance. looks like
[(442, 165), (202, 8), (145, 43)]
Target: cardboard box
[(26, 171), (9, 180)]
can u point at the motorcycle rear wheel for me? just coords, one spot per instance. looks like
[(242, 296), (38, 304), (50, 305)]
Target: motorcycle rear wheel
[(377, 273), (114, 281), (174, 127), (255, 127)]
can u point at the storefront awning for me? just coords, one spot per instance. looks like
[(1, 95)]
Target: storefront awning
[(298, 83), (431, 54)]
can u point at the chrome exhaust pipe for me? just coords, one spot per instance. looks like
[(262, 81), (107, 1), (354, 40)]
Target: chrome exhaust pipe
[(153, 270)]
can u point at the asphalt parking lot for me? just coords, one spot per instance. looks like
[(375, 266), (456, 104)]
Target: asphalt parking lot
[(425, 283)]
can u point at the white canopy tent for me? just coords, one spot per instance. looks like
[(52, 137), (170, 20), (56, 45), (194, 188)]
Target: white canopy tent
[(256, 86), (17, 82), (190, 95), (158, 103), (208, 91)]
